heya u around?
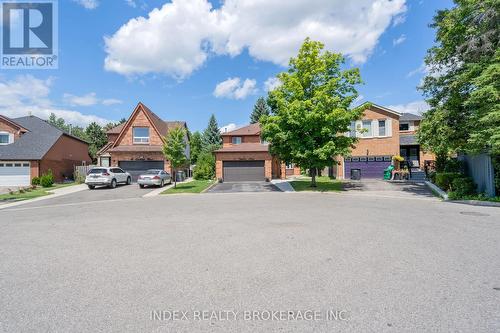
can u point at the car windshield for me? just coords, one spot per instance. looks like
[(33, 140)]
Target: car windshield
[(152, 172), (97, 171)]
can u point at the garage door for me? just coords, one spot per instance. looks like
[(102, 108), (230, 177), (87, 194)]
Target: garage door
[(235, 171), (14, 173), (371, 167), (135, 168)]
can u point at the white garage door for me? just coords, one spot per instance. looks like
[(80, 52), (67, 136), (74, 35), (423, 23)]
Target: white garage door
[(14, 173)]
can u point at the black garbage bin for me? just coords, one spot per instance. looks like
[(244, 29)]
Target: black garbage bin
[(355, 174)]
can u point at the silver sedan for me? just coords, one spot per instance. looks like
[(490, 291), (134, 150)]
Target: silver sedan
[(154, 177)]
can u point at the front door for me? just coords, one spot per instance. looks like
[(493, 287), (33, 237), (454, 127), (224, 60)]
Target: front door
[(411, 154)]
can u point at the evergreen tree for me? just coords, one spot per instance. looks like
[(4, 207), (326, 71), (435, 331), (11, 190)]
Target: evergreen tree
[(260, 109), (211, 136)]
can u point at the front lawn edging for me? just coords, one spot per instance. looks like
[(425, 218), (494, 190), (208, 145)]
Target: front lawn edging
[(437, 190), (477, 203), (210, 186)]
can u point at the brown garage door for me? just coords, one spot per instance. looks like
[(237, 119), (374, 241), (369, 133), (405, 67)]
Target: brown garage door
[(235, 171)]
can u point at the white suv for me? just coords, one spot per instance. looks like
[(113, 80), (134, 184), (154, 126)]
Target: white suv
[(107, 176)]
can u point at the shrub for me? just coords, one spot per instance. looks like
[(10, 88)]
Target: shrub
[(432, 176), (205, 167), (453, 165), (462, 187), (35, 181), (21, 190), (444, 179), (47, 180)]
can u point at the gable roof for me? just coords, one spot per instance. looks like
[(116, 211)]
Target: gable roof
[(252, 129), (406, 116), (35, 143), (380, 107), (13, 123), (160, 126)]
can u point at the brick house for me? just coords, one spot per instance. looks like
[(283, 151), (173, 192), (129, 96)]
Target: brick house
[(30, 147), (136, 145), (245, 157), (386, 133)]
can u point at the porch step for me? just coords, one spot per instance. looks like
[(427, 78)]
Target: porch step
[(418, 176)]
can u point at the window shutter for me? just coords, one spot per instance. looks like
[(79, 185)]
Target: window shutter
[(11, 138), (375, 128), (388, 127)]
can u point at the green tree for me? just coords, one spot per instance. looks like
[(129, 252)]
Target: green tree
[(96, 136), (196, 145), (312, 109), (174, 149), (260, 109), (212, 139), (205, 166), (462, 86)]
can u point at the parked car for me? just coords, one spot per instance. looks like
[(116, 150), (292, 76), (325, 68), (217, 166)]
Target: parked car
[(154, 177), (111, 176)]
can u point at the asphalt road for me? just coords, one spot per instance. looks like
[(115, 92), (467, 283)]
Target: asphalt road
[(393, 265), (237, 187)]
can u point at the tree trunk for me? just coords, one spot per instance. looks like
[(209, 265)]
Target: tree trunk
[(313, 177), (175, 178)]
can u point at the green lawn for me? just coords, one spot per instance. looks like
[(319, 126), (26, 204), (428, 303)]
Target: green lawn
[(38, 192), (323, 184), (195, 186)]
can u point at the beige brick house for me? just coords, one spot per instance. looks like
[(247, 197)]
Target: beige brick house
[(245, 157), (136, 145)]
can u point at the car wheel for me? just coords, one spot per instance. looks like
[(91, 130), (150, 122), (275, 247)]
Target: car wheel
[(162, 184), (141, 186), (129, 181), (113, 183), (91, 187)]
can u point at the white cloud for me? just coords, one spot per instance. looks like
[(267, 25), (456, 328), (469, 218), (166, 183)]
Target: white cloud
[(89, 100), (272, 83), (399, 40), (111, 101), (85, 100), (88, 4), (181, 35), (420, 70), (415, 107), (233, 88), (26, 95), (399, 19), (230, 127), (358, 99)]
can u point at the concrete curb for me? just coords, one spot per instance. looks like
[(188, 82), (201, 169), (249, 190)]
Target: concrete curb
[(437, 190), (55, 193), (208, 188), (283, 185), (477, 203)]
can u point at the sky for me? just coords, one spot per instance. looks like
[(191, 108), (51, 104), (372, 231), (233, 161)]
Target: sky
[(188, 59)]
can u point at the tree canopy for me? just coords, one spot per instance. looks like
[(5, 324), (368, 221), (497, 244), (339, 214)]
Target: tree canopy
[(311, 109), (211, 136), (462, 86), (96, 137), (196, 146), (174, 149)]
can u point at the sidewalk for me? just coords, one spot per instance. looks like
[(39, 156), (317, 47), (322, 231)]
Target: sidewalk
[(283, 185), (55, 193)]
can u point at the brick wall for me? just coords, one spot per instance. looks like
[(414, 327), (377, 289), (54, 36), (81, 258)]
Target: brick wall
[(140, 120), (227, 140), (64, 155), (6, 127), (247, 156)]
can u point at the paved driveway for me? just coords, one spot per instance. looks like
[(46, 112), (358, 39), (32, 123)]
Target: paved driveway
[(98, 194), (104, 267), (235, 187), (376, 187)]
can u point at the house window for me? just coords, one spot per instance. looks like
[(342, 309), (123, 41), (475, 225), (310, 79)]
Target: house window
[(236, 140), (404, 126), (141, 134), (352, 129), (4, 138), (289, 166), (381, 128), (367, 128)]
